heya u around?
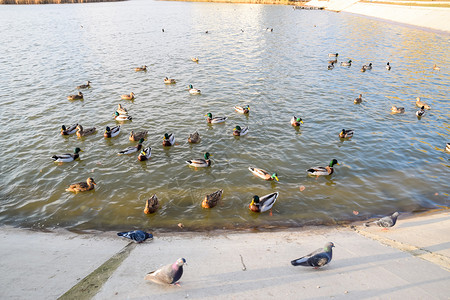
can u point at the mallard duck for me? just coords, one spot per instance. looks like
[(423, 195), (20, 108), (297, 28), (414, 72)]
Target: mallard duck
[(397, 110), (111, 132), (69, 129), (121, 110), (358, 100), (151, 205), (78, 96), (215, 120), (328, 170), (82, 186), (333, 55), (420, 112), (238, 131), (168, 140), (194, 138), (367, 67), (334, 61), (295, 121), (84, 132), (388, 66), (346, 134), (193, 91), (331, 66), (420, 103), (169, 81), (200, 163), (263, 174), (132, 149), (128, 97), (145, 154), (264, 203), (447, 147), (211, 200), (143, 68), (138, 135), (121, 118), (194, 59), (242, 109), (84, 86), (436, 68), (67, 157), (363, 69), (346, 64)]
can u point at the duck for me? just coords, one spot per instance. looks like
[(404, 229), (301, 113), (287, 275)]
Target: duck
[(145, 154), (194, 138), (264, 203), (132, 149), (215, 120), (82, 186), (368, 67), (211, 200), (447, 147), (193, 91), (69, 129), (263, 174), (295, 121), (346, 134), (84, 132), (436, 68), (151, 205), (128, 97), (143, 68), (134, 137), (346, 64), (420, 103), (358, 100), (194, 59), (238, 131), (200, 163), (331, 66), (242, 109), (67, 157), (333, 55), (120, 118), (78, 96), (397, 110), (84, 86), (169, 81), (328, 170), (334, 61), (121, 110), (363, 69), (388, 66), (168, 140), (111, 132), (420, 112)]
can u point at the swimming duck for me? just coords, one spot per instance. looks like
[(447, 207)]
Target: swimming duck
[(84, 86), (194, 138), (111, 132), (169, 139), (145, 154), (388, 66), (436, 68), (295, 121), (82, 132), (368, 67), (78, 96), (420, 112), (193, 91), (120, 118), (121, 110), (346, 64), (263, 174), (128, 97), (138, 135), (238, 131), (215, 120), (143, 68), (264, 203), (211, 200), (132, 149), (82, 186), (69, 129), (328, 170), (194, 59), (333, 55), (242, 109), (334, 61), (358, 100), (169, 81), (363, 69), (67, 157), (151, 205), (397, 110), (420, 103), (200, 163), (331, 66), (346, 134)]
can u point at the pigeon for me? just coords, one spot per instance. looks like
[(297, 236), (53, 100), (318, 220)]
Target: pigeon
[(316, 259), (168, 274), (138, 236), (385, 222)]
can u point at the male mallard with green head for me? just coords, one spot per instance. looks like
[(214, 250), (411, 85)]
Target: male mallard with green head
[(168, 140), (69, 129), (328, 170), (67, 157), (264, 203), (111, 132), (263, 174), (200, 163)]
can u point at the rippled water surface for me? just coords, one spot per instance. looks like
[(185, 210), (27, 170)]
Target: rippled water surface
[(394, 162)]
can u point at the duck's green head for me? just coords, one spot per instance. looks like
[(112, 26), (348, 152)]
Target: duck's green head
[(116, 113), (238, 128), (166, 136), (190, 86), (209, 115), (255, 200), (274, 176), (107, 129), (247, 107), (334, 162), (299, 120), (350, 61), (77, 150), (141, 141), (207, 155)]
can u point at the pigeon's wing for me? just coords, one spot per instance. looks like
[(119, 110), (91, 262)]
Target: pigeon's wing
[(304, 259), (319, 260), (163, 276), (385, 222)]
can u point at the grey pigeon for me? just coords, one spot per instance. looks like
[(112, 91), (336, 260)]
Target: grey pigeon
[(385, 222), (138, 236), (318, 258), (168, 274)]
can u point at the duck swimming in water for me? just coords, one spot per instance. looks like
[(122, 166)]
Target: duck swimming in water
[(238, 131), (78, 96), (346, 134), (215, 120), (84, 86), (200, 163), (67, 157), (264, 203), (318, 171), (128, 97), (211, 200), (69, 129), (263, 174), (397, 110), (151, 205), (111, 132), (168, 140), (84, 132), (82, 186)]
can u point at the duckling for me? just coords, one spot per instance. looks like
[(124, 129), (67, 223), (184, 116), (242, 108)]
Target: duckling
[(358, 100), (346, 134), (346, 64), (78, 96), (200, 163), (420, 103), (132, 149), (215, 120), (420, 112), (331, 66), (436, 68), (397, 110), (84, 86), (169, 81), (168, 140), (388, 66), (151, 205), (194, 59), (242, 109), (121, 110), (143, 68), (119, 117), (128, 97), (82, 186), (145, 154), (111, 132), (138, 135), (194, 138), (211, 200), (328, 170), (84, 132), (193, 91), (295, 121), (263, 174), (238, 131), (264, 203), (69, 129), (67, 157), (333, 55)]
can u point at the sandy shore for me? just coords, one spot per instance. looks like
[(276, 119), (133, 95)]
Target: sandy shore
[(410, 261)]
